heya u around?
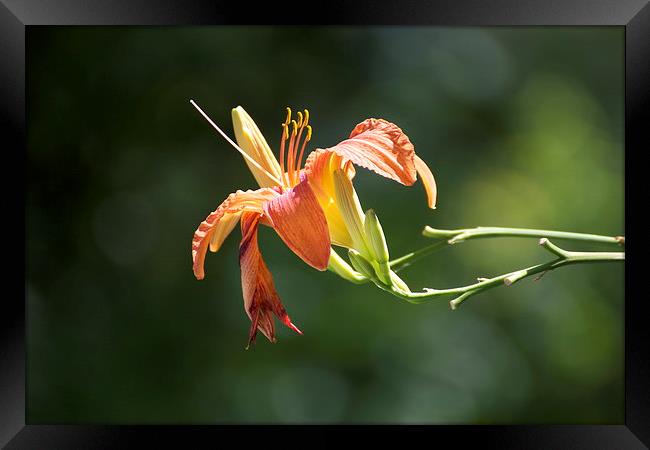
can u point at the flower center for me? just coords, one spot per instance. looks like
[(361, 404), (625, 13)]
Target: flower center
[(291, 168)]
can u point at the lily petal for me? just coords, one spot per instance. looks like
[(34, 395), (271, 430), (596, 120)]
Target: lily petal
[(382, 147), (252, 141), (261, 300), (320, 173), (300, 222), (216, 227)]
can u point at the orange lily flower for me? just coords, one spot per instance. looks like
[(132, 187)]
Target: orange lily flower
[(310, 208)]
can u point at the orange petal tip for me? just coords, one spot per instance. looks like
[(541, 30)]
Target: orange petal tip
[(294, 328)]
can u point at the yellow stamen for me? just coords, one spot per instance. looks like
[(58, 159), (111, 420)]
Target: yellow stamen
[(302, 127), (293, 158)]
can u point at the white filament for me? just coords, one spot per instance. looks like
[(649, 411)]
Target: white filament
[(225, 136)]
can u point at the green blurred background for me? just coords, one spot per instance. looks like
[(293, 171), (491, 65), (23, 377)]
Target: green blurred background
[(522, 127)]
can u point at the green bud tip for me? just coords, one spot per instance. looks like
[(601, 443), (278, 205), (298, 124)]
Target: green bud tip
[(375, 237), (361, 264)]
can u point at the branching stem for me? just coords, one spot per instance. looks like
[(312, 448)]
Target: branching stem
[(564, 258), (451, 237)]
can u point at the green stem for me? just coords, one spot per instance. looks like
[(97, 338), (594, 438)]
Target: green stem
[(450, 237), (564, 258), (454, 236), (404, 261)]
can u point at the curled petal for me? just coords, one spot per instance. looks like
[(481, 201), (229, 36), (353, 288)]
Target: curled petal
[(380, 146), (377, 145), (261, 300), (216, 227), (299, 220)]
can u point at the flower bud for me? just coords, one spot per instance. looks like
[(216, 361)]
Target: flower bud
[(361, 264), (377, 245), (340, 267), (399, 283), (350, 209), (375, 237)]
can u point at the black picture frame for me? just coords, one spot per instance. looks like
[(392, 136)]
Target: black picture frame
[(17, 15)]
